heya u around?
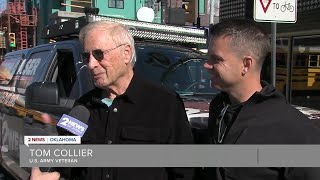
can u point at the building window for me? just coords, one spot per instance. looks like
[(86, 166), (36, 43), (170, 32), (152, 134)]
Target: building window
[(116, 4), (77, 5), (313, 61)]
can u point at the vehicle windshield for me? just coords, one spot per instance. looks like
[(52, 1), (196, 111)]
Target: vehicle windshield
[(179, 68), (188, 77)]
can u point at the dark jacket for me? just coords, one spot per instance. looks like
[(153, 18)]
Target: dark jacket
[(145, 114), (266, 118)]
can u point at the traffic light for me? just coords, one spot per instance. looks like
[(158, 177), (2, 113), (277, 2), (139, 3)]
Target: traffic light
[(12, 39), (189, 7), (185, 5)]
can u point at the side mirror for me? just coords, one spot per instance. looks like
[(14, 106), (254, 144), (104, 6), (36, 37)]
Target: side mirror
[(44, 96)]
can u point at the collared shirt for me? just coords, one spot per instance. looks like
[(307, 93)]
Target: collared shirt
[(146, 113)]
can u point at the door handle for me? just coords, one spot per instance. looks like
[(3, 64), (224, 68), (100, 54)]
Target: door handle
[(8, 111), (28, 119)]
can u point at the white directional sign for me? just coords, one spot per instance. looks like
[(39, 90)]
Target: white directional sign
[(284, 11)]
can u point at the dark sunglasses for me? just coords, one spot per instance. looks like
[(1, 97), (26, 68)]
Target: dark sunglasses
[(98, 54)]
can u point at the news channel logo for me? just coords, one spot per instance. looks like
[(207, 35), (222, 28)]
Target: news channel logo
[(72, 125), (51, 140)]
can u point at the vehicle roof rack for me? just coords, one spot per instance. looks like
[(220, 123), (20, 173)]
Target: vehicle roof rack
[(140, 30)]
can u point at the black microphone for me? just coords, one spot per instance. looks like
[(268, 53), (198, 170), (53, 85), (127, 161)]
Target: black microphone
[(79, 114)]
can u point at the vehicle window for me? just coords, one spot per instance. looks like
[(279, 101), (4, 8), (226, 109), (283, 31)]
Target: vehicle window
[(65, 72), (313, 61), (178, 68), (188, 77), (281, 59), (301, 60), (152, 64), (8, 67), (153, 61), (32, 65)]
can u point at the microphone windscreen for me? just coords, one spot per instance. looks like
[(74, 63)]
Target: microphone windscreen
[(78, 113), (81, 113)]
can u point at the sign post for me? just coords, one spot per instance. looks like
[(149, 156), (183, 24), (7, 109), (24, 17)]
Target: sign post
[(275, 11)]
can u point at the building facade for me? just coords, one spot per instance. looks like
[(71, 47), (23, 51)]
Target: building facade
[(164, 11), (18, 21)]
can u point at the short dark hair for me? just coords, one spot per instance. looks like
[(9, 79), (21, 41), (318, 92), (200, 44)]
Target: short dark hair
[(247, 37)]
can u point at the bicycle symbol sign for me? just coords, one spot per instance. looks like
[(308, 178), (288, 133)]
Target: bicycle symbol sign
[(287, 6), (281, 11)]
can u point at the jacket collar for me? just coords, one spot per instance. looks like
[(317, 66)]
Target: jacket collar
[(132, 94), (246, 115)]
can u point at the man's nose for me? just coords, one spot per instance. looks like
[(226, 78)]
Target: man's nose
[(92, 62), (207, 66)]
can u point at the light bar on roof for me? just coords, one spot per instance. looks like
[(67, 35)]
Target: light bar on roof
[(167, 37), (138, 29), (150, 26)]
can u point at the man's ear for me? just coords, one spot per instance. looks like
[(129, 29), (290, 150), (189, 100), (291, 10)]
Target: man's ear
[(127, 54), (247, 64)]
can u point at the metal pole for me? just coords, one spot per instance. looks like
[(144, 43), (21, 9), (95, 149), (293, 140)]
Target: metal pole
[(289, 64), (198, 18), (34, 36), (35, 16), (211, 16), (8, 27), (273, 55), (164, 11)]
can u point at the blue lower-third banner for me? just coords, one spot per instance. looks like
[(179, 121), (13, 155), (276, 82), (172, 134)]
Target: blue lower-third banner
[(169, 155)]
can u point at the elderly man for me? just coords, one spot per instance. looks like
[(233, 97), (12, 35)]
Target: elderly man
[(124, 108)]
